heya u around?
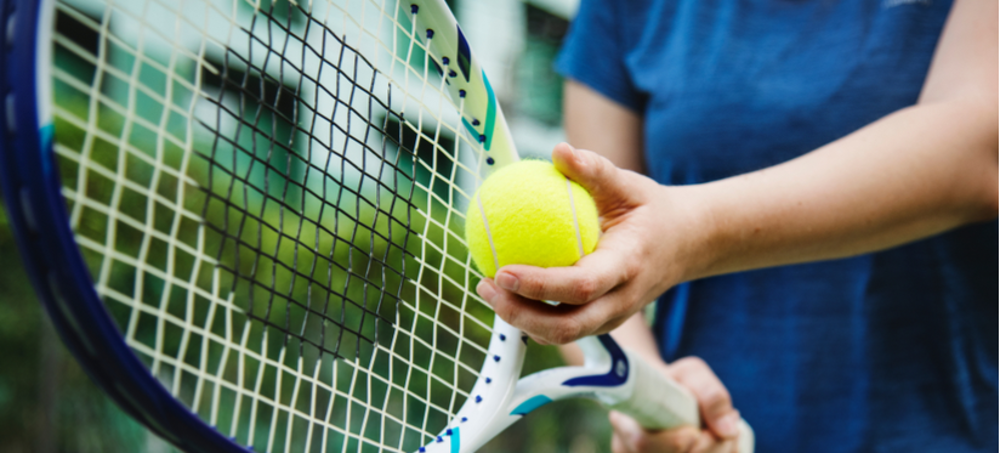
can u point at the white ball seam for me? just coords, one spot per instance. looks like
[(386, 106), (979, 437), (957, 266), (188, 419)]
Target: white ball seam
[(576, 222), (489, 235)]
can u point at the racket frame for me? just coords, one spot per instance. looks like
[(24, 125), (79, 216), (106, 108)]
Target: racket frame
[(37, 210)]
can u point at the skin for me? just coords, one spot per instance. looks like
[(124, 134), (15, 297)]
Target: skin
[(915, 173)]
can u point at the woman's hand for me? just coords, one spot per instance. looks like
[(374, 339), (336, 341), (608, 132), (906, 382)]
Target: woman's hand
[(722, 421), (637, 258)]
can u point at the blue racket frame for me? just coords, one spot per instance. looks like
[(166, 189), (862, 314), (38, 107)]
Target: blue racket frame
[(32, 191)]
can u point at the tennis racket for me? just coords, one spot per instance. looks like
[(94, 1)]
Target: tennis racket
[(245, 220)]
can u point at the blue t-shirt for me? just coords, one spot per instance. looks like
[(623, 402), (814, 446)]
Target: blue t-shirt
[(889, 351)]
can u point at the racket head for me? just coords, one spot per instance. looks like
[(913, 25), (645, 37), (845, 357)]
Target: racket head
[(35, 195)]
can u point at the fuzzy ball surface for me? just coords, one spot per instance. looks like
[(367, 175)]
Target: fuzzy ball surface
[(530, 213)]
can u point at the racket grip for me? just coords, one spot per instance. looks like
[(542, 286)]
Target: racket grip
[(657, 402)]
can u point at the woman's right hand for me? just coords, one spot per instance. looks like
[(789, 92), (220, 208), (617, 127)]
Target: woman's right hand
[(719, 435)]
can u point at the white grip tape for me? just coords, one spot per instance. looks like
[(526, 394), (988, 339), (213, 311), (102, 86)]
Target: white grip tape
[(657, 402), (746, 439)]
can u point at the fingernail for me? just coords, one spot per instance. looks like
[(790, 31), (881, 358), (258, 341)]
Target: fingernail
[(727, 425), (486, 291), (507, 281)]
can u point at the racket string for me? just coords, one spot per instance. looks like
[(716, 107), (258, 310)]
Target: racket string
[(260, 286)]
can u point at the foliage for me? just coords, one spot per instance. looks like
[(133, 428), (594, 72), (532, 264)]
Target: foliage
[(312, 249)]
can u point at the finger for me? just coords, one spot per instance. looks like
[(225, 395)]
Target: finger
[(544, 323), (604, 181), (617, 445), (549, 324), (617, 259), (590, 278), (635, 438), (626, 431), (713, 398)]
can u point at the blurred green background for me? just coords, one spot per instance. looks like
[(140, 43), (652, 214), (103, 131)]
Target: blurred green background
[(47, 402)]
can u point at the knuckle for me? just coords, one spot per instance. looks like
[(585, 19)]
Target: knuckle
[(675, 443), (716, 397), (682, 440), (691, 364), (541, 341), (615, 322), (564, 332), (534, 287), (640, 444), (505, 310), (699, 364), (602, 164), (617, 445), (631, 268), (585, 289), (600, 168)]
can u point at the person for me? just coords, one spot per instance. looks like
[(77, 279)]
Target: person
[(809, 191)]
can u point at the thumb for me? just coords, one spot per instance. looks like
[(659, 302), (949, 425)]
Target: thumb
[(627, 431), (605, 182), (633, 438), (713, 398)]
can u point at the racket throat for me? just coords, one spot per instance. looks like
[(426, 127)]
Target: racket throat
[(499, 399), (486, 411)]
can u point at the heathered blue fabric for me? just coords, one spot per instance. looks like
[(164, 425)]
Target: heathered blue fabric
[(891, 351)]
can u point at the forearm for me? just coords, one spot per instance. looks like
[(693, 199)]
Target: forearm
[(634, 335), (913, 174)]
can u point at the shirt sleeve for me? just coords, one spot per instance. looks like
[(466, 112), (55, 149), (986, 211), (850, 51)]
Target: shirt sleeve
[(593, 53)]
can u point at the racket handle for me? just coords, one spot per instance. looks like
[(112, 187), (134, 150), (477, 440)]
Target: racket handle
[(657, 402)]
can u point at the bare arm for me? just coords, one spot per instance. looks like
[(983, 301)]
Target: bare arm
[(603, 126), (917, 172)]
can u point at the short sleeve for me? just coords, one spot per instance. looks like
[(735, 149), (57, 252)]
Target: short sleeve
[(593, 53)]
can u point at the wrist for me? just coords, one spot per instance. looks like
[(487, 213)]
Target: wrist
[(692, 231)]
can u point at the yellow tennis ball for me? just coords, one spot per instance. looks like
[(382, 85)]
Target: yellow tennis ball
[(529, 213)]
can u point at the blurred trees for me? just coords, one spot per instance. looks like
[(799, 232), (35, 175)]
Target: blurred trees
[(47, 403)]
